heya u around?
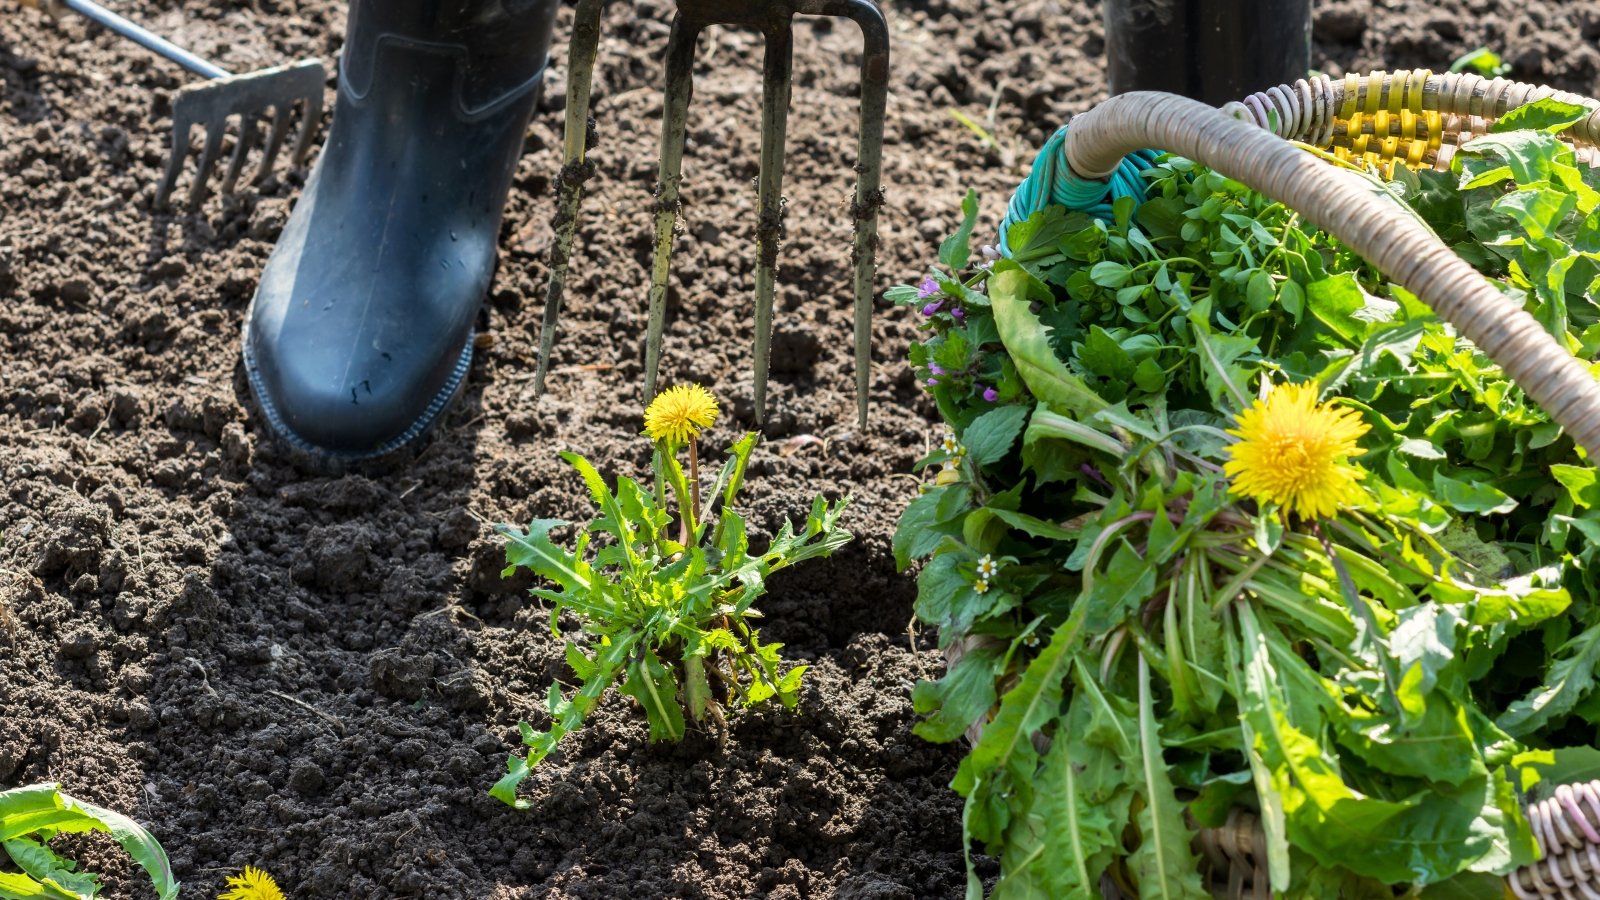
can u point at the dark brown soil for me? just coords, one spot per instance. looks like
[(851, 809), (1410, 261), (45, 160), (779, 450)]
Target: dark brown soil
[(323, 676)]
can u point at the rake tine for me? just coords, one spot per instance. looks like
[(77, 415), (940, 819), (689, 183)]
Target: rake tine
[(308, 129), (208, 160), (280, 128), (769, 234), (581, 53), (674, 125), (180, 147), (249, 136), (869, 184)]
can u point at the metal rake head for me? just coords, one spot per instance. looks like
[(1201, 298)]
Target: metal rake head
[(250, 97), (774, 18)]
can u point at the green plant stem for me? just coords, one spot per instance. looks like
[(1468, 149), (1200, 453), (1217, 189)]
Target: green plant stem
[(694, 483), (1358, 605)]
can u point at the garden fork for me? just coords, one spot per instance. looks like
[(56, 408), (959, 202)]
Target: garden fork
[(774, 18)]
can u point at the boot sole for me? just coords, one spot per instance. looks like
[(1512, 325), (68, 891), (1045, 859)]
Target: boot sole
[(398, 450)]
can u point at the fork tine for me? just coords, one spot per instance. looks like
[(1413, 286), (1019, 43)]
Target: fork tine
[(581, 53), (869, 184), (674, 126), (208, 159), (280, 128), (249, 136), (769, 234)]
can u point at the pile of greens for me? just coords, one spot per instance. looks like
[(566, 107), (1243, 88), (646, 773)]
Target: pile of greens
[(1145, 650)]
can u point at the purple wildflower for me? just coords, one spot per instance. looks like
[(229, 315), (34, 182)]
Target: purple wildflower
[(933, 308), (928, 288), (990, 395), (935, 368), (959, 313)]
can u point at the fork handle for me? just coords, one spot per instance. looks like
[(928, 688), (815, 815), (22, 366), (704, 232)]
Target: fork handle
[(97, 13)]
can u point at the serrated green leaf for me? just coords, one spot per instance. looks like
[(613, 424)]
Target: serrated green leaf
[(990, 436), (1101, 354), (1547, 114), (1569, 680), (1580, 484), (963, 696), (50, 869), (532, 549)]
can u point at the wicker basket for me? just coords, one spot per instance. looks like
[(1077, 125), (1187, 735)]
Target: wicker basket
[(1410, 118)]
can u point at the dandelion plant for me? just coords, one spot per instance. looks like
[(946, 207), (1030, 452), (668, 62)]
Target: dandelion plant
[(662, 588)]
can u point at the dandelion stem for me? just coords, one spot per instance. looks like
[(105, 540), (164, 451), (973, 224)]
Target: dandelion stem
[(694, 479)]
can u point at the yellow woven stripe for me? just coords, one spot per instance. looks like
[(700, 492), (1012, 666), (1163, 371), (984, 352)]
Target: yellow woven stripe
[(1398, 82), (1382, 120)]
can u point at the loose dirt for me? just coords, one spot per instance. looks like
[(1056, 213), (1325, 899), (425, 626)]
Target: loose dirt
[(322, 676)]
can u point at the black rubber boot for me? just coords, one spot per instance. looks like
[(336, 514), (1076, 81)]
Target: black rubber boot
[(360, 334)]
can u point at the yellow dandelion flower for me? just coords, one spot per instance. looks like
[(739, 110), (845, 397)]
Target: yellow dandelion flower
[(1294, 451), (251, 884), (680, 413)]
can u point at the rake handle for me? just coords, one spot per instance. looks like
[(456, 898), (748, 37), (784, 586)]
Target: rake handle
[(133, 32)]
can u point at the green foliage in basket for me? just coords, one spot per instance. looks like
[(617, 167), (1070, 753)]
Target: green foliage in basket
[(1152, 637)]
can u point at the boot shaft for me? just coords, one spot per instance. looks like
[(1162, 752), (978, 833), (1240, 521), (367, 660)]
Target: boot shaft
[(500, 47)]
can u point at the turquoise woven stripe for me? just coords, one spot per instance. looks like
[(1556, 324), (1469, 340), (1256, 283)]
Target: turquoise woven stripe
[(1051, 183)]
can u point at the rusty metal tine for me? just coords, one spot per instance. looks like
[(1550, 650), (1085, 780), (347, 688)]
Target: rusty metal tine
[(869, 185), (208, 160), (280, 128), (777, 83), (249, 137), (674, 127), (575, 170)]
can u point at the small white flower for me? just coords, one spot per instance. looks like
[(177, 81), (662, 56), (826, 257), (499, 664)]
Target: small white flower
[(991, 252), (1032, 640), (982, 586), (987, 567), (950, 445), (948, 465)]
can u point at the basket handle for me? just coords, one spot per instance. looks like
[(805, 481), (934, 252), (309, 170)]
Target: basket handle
[(1379, 229)]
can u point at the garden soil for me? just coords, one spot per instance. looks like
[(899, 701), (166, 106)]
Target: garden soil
[(322, 676)]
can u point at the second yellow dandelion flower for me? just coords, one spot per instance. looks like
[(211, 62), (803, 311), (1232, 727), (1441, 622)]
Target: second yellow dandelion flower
[(1294, 452)]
